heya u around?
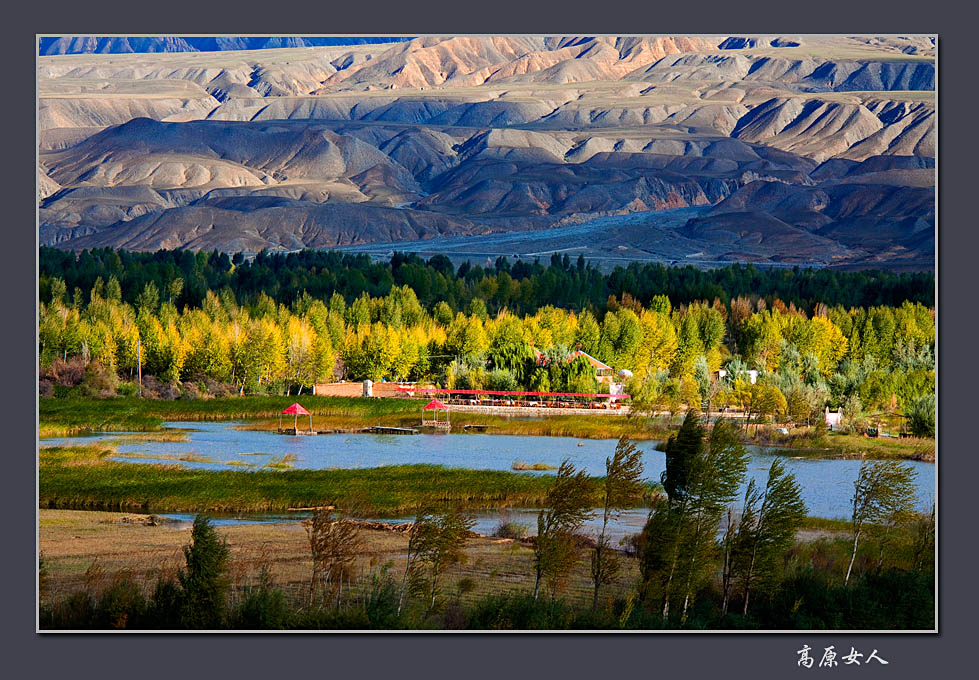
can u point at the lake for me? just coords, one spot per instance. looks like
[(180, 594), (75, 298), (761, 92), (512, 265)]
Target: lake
[(827, 484)]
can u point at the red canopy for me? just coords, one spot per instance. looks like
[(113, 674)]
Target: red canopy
[(296, 408), (435, 404)]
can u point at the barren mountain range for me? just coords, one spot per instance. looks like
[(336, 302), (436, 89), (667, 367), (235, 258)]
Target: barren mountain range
[(796, 149)]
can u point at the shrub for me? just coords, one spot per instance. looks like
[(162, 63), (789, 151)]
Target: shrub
[(163, 611), (921, 417), (189, 390), (264, 608), (127, 389), (204, 582), (99, 381), (122, 605), (67, 373), (509, 529)]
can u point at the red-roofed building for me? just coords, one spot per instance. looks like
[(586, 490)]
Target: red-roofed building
[(603, 372)]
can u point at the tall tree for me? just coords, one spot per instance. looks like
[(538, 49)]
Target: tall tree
[(441, 542), (700, 479), (567, 506), (769, 520), (622, 487), (883, 492), (334, 542)]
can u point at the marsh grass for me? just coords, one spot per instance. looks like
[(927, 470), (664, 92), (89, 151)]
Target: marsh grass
[(142, 437), (520, 465), (838, 444), (282, 463), (84, 478)]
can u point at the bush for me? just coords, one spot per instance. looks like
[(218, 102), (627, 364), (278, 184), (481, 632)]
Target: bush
[(164, 607), (122, 605), (218, 389), (45, 388), (154, 389), (99, 381), (127, 389), (508, 529), (67, 373), (921, 417), (204, 582), (74, 612), (263, 609), (189, 390)]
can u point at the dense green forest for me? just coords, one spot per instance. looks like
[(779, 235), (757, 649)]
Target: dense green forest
[(864, 359), (520, 286)]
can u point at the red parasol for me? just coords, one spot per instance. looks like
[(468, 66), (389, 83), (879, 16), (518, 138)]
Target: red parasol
[(296, 410)]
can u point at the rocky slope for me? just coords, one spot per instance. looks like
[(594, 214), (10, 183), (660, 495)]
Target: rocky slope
[(343, 144)]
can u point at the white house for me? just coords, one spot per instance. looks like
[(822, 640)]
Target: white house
[(752, 375)]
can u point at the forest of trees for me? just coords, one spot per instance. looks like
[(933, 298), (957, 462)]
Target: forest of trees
[(859, 358), (520, 286)]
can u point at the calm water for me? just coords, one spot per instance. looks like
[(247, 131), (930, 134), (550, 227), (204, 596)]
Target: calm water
[(827, 485)]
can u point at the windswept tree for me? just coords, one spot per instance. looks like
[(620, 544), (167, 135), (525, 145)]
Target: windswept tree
[(883, 494), (440, 543), (700, 480), (769, 519), (623, 487), (423, 518), (335, 542), (567, 506)]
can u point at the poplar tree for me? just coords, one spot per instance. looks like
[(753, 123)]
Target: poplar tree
[(700, 479), (769, 521), (567, 506), (622, 487), (882, 494)]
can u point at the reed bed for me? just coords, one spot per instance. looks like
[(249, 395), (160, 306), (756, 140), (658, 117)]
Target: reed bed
[(141, 437), (84, 478), (521, 466)]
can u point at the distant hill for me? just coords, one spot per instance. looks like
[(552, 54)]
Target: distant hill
[(817, 150), (135, 44)]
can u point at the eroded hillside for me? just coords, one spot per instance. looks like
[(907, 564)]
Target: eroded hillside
[(798, 149)]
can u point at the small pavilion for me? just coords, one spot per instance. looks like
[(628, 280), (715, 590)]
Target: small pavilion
[(296, 410), (434, 408)]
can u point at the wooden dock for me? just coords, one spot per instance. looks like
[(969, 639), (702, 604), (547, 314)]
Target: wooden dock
[(374, 429), (377, 429)]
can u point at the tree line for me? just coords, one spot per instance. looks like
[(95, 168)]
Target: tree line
[(518, 285), (863, 360)]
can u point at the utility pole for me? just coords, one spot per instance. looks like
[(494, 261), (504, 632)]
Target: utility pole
[(139, 365)]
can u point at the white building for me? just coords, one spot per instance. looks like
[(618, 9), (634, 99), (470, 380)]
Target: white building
[(752, 375)]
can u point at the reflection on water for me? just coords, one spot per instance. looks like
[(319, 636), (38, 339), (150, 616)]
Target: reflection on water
[(827, 485)]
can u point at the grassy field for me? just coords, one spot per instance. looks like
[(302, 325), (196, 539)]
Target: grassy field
[(84, 478), (72, 541), (839, 444), (67, 416)]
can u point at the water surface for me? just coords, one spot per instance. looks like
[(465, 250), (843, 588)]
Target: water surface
[(827, 484)]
